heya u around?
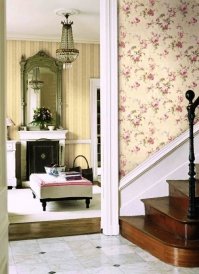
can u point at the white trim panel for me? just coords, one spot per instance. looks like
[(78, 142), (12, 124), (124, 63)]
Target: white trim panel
[(77, 142), (4, 222), (149, 179), (47, 39), (94, 85), (109, 116), (156, 157)]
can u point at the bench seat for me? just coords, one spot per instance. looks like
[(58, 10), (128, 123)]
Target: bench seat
[(50, 188)]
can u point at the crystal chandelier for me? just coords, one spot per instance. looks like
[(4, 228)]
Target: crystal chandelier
[(67, 53), (36, 83)]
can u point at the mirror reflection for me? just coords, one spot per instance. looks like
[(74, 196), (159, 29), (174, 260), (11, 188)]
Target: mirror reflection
[(41, 77), (41, 91)]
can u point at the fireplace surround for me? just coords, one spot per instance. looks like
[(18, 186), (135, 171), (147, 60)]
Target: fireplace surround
[(39, 154), (36, 136)]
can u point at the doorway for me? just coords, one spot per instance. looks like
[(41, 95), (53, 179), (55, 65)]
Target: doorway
[(95, 114), (109, 136)]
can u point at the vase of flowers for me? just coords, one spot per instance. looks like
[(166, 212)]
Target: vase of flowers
[(42, 117)]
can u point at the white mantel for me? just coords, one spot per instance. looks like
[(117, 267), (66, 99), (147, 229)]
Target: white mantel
[(34, 135), (25, 135)]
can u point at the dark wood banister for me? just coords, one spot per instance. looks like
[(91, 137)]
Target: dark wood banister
[(192, 208)]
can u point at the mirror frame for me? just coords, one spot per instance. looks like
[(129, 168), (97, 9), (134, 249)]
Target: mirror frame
[(41, 59)]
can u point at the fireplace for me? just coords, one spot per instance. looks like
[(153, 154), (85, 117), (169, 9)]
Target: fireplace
[(40, 136), (40, 154)]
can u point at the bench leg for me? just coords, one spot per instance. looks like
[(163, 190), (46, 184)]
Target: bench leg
[(44, 205), (87, 202)]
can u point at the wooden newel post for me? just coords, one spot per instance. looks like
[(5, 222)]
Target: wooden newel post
[(192, 212)]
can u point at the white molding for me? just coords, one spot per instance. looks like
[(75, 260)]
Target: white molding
[(155, 158), (109, 116), (77, 142), (46, 39), (4, 222), (38, 134), (11, 162), (150, 178), (94, 85)]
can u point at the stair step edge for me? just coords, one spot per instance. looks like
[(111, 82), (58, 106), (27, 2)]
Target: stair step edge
[(165, 237), (182, 186), (164, 208)]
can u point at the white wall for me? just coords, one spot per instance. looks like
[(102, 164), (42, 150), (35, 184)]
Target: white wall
[(3, 188)]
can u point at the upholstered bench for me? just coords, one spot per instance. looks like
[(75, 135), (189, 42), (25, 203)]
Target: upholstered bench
[(50, 188)]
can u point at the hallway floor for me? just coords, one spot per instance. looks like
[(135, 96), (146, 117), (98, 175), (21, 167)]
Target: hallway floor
[(85, 254)]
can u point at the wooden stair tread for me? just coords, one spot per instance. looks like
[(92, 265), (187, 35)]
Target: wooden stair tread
[(162, 244), (165, 230), (158, 233), (162, 204), (183, 186)]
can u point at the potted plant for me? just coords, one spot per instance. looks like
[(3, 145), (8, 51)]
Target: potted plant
[(42, 117)]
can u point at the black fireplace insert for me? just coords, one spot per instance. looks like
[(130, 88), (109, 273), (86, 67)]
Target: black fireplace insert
[(39, 154)]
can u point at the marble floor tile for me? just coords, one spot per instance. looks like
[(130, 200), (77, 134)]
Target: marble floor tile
[(29, 268), (86, 254), (12, 269), (105, 270), (95, 261)]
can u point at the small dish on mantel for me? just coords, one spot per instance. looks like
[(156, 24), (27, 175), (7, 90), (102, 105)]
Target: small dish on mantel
[(51, 127)]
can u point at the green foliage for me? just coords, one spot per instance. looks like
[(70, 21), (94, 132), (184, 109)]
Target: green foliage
[(41, 117)]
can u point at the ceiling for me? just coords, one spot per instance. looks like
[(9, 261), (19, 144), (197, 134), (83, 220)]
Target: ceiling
[(37, 20)]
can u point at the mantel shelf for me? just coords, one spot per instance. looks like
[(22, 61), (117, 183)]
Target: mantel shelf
[(39, 134)]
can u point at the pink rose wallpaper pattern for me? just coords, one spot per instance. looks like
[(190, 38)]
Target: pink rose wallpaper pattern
[(158, 63)]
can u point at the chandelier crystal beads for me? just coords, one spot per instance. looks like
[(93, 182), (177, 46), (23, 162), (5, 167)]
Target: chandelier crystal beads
[(67, 54), (36, 83)]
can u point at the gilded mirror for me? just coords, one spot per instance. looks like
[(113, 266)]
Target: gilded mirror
[(41, 86)]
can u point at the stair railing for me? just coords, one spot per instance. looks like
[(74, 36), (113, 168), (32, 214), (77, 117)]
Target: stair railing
[(192, 207)]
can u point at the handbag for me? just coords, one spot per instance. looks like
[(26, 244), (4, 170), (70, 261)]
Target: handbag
[(86, 172)]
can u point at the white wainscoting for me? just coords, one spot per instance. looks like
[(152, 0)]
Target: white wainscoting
[(149, 178), (77, 142)]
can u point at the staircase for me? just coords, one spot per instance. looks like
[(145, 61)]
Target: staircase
[(165, 231), (169, 229)]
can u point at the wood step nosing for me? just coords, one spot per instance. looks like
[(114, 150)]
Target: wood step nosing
[(185, 247), (178, 256), (187, 221)]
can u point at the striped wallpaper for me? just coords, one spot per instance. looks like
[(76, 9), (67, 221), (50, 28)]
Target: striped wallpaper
[(76, 103)]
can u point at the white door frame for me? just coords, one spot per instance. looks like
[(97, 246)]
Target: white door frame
[(94, 86), (109, 116), (109, 94), (4, 223)]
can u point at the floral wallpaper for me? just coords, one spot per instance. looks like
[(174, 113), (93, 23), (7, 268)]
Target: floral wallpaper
[(158, 63)]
